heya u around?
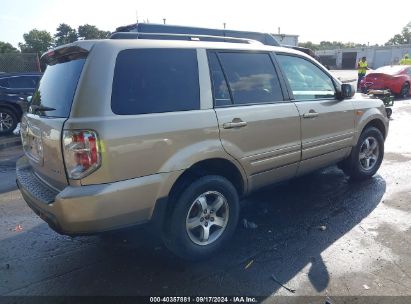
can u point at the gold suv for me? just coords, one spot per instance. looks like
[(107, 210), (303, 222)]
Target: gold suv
[(128, 131)]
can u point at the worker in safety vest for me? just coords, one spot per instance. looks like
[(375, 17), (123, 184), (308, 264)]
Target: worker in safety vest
[(362, 70), (406, 60)]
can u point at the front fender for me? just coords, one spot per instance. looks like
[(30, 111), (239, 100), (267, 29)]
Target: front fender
[(370, 110)]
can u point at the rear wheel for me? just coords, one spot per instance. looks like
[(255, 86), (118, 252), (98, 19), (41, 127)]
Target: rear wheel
[(366, 157), (204, 218), (8, 121), (405, 90)]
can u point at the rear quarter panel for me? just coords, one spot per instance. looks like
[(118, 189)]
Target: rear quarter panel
[(140, 145)]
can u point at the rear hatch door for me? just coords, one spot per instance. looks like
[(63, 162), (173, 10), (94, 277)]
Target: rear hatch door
[(41, 127)]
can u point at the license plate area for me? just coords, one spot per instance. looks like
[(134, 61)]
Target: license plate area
[(32, 141)]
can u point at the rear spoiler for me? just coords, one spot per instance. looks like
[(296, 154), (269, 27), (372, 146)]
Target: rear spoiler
[(64, 54)]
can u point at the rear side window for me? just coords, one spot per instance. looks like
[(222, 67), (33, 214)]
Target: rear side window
[(251, 77), (220, 89), (155, 81), (22, 82), (57, 88)]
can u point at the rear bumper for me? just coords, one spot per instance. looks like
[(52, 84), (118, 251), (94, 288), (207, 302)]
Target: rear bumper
[(90, 209)]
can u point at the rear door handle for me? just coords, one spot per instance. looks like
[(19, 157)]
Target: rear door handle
[(311, 114), (234, 124)]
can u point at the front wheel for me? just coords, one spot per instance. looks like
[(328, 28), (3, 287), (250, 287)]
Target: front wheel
[(204, 218), (8, 121), (366, 157)]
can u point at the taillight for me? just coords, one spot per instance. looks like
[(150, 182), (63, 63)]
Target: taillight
[(81, 152)]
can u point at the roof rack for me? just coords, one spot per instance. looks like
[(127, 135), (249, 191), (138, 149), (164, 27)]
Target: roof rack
[(188, 37)]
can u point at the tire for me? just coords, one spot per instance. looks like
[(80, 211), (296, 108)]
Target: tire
[(364, 162), (389, 112), (405, 90), (185, 230), (8, 121)]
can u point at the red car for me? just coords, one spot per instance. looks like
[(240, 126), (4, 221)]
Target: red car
[(396, 78)]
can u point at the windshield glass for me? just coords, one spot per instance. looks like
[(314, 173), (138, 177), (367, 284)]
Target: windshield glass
[(390, 70), (56, 89)]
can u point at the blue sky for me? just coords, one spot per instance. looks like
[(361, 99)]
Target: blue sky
[(315, 20)]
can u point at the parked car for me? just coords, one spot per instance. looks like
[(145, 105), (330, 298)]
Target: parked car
[(14, 90), (396, 78), (174, 133)]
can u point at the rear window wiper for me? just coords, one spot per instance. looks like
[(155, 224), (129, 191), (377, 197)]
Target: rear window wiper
[(36, 108)]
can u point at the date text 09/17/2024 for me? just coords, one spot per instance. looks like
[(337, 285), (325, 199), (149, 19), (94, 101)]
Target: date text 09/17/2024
[(203, 299)]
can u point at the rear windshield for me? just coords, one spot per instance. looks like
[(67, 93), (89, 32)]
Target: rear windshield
[(390, 70), (57, 87)]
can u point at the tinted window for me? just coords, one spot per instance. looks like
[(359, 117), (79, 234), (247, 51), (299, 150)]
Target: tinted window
[(36, 80), (307, 81), (155, 81), (220, 88), (252, 77), (21, 82), (57, 87), (4, 82)]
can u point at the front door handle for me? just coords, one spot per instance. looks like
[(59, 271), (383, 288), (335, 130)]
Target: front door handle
[(310, 114), (236, 123)]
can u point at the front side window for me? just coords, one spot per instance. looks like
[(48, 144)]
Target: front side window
[(307, 81), (251, 77), (155, 81)]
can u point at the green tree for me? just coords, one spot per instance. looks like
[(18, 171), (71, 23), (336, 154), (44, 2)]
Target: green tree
[(65, 34), (309, 45), (403, 38), (6, 47), (36, 41), (88, 32)]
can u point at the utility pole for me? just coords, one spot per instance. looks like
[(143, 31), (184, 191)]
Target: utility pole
[(224, 25), (137, 16), (164, 20)]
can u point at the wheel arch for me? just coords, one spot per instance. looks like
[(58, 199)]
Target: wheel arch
[(12, 107), (378, 124), (214, 166)]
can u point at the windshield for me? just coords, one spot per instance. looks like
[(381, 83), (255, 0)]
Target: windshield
[(56, 89), (390, 70)]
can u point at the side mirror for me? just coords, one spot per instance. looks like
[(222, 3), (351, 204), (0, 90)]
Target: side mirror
[(347, 91), (29, 98)]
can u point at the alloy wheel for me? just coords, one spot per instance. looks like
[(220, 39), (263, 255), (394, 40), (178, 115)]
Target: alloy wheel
[(207, 218), (6, 122), (369, 152)]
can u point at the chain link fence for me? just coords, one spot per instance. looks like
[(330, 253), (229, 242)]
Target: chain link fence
[(19, 62)]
